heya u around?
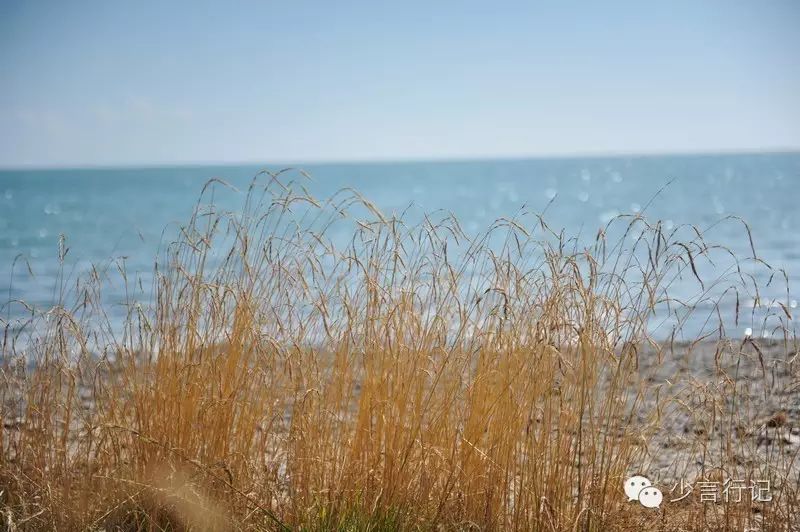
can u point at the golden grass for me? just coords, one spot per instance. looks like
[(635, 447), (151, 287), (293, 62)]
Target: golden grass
[(405, 376)]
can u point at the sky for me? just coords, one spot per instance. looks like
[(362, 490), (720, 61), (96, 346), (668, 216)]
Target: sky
[(113, 83)]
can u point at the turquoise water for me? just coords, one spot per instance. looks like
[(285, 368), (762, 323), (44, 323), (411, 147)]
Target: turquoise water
[(121, 214)]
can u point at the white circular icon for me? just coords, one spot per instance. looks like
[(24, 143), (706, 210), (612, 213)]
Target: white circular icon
[(634, 485), (651, 497)]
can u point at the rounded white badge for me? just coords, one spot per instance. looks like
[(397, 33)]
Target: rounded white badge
[(634, 485)]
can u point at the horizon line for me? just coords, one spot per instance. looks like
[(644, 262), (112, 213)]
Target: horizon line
[(402, 160)]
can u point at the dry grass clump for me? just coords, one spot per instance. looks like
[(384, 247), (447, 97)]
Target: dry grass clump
[(319, 365)]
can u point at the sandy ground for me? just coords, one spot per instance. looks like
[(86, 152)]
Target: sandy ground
[(728, 425)]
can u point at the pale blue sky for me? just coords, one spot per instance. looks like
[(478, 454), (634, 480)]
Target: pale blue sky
[(119, 83)]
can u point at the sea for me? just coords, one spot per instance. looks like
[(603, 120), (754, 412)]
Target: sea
[(112, 216)]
